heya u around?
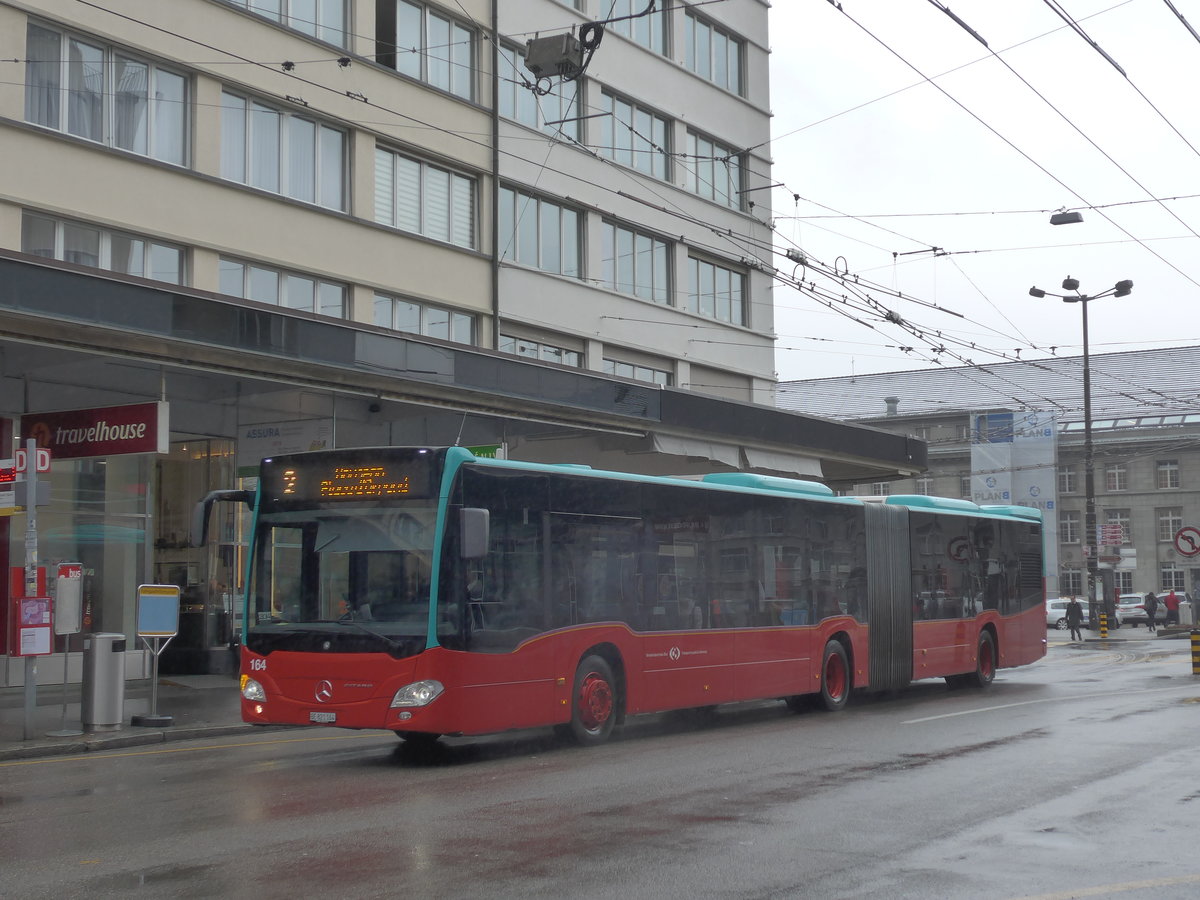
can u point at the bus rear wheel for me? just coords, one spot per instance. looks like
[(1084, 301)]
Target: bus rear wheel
[(985, 661), (593, 703), (835, 677)]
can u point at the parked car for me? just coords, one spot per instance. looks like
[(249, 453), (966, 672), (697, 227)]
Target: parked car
[(1056, 614), (1132, 610)]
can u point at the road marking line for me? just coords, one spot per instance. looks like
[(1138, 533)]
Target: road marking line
[(1120, 887), (102, 755), (984, 709)]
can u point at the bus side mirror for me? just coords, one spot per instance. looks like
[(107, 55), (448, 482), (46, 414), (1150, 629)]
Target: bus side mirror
[(198, 535), (473, 529)]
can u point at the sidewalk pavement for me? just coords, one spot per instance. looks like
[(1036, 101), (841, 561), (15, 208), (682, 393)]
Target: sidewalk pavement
[(199, 705), (208, 705)]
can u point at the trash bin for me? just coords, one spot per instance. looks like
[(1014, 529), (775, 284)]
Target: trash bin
[(103, 702), (1186, 613)]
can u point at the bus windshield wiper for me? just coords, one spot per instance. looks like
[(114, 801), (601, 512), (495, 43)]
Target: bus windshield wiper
[(394, 644)]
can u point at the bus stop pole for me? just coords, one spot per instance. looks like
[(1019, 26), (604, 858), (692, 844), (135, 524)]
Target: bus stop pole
[(31, 577)]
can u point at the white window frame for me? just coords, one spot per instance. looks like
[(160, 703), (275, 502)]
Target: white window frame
[(324, 20), (64, 94), (105, 240), (1069, 527), (417, 196), (1070, 583), (527, 237), (326, 298), (1169, 520), (702, 42), (439, 60), (519, 103), (637, 372), (527, 348), (1116, 477), (924, 486), (635, 136), (1067, 480), (714, 171), (635, 262), (650, 31), (260, 148), (1166, 474), (459, 326), (726, 301)]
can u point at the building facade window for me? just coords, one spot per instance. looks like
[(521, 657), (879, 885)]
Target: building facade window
[(962, 432), (322, 19), (280, 287), (1070, 583), (517, 100), (1169, 523), (924, 485), (539, 233), (431, 47), (113, 251), (881, 488), (425, 199), (1123, 581), (634, 136), (281, 152), (93, 91), (540, 350), (421, 318), (1116, 477), (964, 486), (1068, 527), (712, 53), (921, 432), (1119, 517), (1167, 474), (716, 291), (1172, 578), (1066, 480), (635, 263), (636, 372), (650, 30), (714, 171)]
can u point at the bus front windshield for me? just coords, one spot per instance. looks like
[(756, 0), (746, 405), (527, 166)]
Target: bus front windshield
[(367, 567)]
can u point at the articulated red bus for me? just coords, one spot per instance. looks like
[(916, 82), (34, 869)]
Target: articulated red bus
[(431, 592)]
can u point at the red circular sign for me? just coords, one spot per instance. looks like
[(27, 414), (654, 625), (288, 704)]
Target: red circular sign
[(1187, 540)]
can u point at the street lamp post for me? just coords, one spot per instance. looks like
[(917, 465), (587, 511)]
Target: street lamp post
[(1091, 536)]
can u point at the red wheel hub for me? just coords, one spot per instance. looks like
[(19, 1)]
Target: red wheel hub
[(595, 702), (835, 676)]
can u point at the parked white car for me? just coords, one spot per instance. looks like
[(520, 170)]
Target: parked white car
[(1056, 614)]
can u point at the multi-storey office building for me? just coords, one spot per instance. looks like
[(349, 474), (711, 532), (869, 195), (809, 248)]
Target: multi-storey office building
[(1146, 448), (268, 225)]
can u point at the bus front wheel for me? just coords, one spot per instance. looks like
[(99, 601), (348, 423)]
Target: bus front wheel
[(835, 677), (593, 702)]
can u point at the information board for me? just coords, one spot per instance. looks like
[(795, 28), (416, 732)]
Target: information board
[(157, 610)]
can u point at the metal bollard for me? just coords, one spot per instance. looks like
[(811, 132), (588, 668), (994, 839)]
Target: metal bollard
[(1196, 652), (1103, 625)]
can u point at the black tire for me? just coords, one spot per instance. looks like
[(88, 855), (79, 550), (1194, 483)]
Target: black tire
[(835, 678), (593, 702), (1061, 624), (985, 661)]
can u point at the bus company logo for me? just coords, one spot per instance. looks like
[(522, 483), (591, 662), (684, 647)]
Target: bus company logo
[(674, 654), (324, 691)]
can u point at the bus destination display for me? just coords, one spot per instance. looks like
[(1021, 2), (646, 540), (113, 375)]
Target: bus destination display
[(349, 479)]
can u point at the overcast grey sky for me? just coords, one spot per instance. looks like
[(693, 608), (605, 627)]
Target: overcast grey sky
[(886, 166)]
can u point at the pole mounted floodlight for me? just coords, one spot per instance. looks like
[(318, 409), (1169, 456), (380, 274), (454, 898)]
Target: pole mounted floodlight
[(1120, 289)]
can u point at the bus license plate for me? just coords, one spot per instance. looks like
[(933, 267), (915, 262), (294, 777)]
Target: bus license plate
[(324, 718)]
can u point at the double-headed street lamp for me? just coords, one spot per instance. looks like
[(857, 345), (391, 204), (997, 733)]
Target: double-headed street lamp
[(1120, 289)]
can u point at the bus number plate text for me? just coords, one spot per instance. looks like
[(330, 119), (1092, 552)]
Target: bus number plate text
[(324, 718)]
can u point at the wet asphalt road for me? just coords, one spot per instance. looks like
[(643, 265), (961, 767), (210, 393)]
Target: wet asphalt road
[(1079, 776)]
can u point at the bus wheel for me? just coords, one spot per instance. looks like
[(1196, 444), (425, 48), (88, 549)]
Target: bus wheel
[(835, 677), (985, 661), (594, 706)]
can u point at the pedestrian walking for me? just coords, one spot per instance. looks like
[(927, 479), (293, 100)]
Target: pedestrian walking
[(1151, 606), (1172, 604), (1075, 619)]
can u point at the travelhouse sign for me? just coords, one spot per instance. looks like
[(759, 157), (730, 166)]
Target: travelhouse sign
[(111, 431)]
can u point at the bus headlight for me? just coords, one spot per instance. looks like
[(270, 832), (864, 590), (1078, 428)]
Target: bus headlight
[(419, 693), (252, 690)]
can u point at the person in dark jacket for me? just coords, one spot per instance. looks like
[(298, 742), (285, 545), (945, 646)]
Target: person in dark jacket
[(1151, 606), (1075, 619)]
